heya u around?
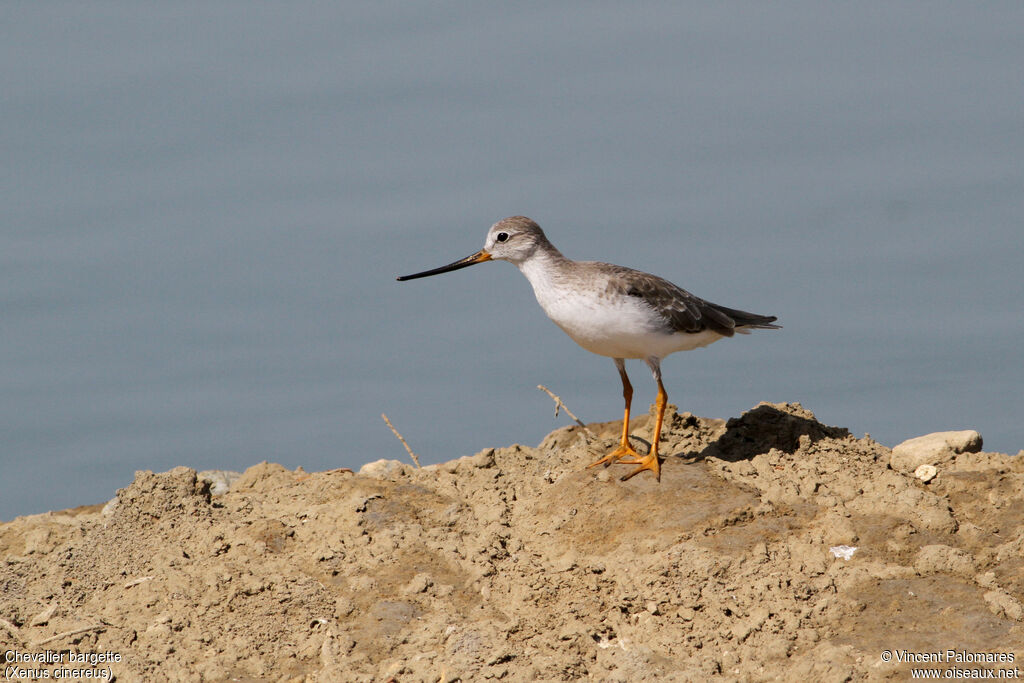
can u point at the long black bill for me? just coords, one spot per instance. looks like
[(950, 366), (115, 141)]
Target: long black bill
[(478, 257)]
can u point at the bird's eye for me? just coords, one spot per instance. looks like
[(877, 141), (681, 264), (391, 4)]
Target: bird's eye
[(502, 237)]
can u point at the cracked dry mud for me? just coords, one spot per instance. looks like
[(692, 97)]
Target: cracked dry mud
[(517, 563)]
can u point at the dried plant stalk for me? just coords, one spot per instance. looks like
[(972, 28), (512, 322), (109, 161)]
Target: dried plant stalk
[(404, 443)]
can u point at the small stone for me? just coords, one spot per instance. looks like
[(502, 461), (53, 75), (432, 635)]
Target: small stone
[(110, 507), (43, 617), (220, 480), (382, 469), (420, 583), (933, 449), (926, 473)]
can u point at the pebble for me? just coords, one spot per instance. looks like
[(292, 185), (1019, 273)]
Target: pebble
[(382, 469), (220, 480), (933, 449), (926, 472)]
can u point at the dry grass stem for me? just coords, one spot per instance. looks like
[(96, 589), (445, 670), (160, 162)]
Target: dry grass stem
[(560, 405), (404, 443), (75, 632), (136, 582)]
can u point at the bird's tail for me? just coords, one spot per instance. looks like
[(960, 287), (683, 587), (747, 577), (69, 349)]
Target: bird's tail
[(749, 321)]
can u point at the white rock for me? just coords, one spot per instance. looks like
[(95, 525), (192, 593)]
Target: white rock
[(109, 508), (382, 469), (926, 473), (220, 480), (933, 449)]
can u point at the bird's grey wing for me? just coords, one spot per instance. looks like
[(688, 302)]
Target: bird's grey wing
[(681, 311)]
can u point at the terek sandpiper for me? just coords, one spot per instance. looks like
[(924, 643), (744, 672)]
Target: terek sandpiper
[(611, 311)]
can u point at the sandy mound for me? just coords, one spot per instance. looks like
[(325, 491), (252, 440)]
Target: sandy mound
[(516, 563)]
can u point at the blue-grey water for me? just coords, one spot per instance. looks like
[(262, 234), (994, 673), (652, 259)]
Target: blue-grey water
[(203, 207)]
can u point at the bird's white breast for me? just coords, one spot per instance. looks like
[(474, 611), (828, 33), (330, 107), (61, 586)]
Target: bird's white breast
[(606, 322)]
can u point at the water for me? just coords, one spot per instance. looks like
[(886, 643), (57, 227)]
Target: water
[(205, 207)]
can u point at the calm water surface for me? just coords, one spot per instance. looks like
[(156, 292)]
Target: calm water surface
[(205, 207)]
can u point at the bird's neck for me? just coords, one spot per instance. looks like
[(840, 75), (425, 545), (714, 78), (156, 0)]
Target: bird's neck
[(544, 267)]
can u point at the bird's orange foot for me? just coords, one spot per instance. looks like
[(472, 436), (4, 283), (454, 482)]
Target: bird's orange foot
[(646, 462), (623, 451)]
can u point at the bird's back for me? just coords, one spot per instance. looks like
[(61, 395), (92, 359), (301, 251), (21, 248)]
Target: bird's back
[(680, 310)]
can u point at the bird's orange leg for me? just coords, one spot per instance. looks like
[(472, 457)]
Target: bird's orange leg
[(651, 461), (624, 450)]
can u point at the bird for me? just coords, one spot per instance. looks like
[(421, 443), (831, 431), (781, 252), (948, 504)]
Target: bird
[(612, 311)]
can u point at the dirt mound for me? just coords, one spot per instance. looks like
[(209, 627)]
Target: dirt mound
[(517, 563)]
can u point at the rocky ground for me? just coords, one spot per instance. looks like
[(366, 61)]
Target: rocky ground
[(519, 564)]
